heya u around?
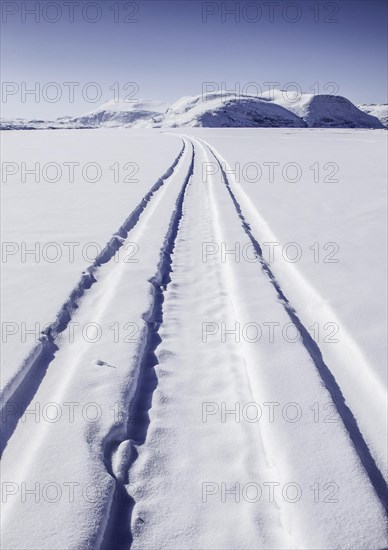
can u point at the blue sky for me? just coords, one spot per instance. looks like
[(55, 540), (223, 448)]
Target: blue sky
[(176, 46)]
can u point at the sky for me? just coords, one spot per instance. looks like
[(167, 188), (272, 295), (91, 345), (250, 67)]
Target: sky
[(77, 54)]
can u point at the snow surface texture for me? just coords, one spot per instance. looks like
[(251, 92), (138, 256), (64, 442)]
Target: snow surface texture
[(171, 443), (222, 110)]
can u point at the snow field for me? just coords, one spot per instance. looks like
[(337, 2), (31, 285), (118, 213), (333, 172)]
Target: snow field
[(187, 432)]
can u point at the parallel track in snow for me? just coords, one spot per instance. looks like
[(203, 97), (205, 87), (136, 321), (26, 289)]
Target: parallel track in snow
[(125, 452), (181, 295), (20, 391), (117, 534), (123, 524), (376, 477)]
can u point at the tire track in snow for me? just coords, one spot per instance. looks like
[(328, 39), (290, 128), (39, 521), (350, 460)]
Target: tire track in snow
[(20, 391), (374, 474), (197, 289), (120, 449), (360, 384)]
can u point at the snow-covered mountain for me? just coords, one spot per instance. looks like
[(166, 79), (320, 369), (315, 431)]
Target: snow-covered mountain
[(324, 111), (23, 124), (147, 105), (115, 118), (275, 109), (218, 110), (121, 113), (376, 110)]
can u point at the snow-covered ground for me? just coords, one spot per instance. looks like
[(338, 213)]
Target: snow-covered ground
[(58, 216), (215, 378)]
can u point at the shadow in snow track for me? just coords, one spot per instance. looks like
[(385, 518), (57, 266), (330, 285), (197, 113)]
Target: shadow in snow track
[(20, 391), (375, 476), (118, 533)]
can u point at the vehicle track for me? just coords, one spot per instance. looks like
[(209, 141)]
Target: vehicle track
[(155, 477), (20, 391), (79, 376), (376, 477), (117, 533), (148, 454), (189, 274), (361, 387)]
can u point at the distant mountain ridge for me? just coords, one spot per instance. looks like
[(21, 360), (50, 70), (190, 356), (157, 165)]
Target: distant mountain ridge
[(277, 109), (215, 110)]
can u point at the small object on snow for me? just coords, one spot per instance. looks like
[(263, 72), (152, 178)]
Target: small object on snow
[(103, 363)]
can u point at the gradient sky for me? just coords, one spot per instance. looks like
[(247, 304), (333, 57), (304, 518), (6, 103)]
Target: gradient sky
[(171, 51)]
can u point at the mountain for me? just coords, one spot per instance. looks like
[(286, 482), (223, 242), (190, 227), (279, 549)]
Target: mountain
[(114, 119), (379, 111), (324, 111), (211, 110), (224, 110), (121, 113), (220, 110), (23, 124)]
